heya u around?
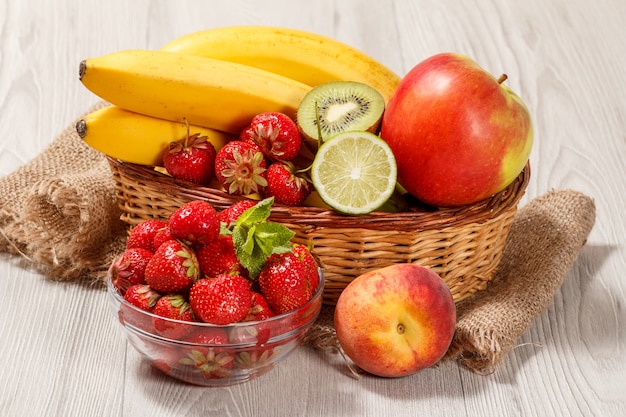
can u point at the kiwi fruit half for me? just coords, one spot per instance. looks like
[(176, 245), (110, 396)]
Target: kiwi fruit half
[(339, 106)]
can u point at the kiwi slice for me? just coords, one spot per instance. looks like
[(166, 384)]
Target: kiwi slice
[(339, 106)]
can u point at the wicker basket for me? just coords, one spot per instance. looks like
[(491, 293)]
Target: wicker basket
[(463, 245)]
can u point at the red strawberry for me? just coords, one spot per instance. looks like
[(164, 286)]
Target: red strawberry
[(254, 358), (194, 222), (208, 336), (191, 159), (172, 268), (172, 306), (310, 264), (231, 213), (240, 168), (129, 268), (163, 235), (142, 296), (219, 257), (285, 282), (285, 185), (224, 299), (142, 235), (207, 356), (276, 134), (164, 357), (260, 309), (259, 335)]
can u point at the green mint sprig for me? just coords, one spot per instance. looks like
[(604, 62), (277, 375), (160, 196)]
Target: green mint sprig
[(255, 238)]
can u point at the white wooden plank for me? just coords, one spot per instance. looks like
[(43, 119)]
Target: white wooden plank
[(61, 351)]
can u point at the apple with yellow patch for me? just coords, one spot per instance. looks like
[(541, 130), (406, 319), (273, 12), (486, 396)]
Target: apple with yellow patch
[(396, 320), (459, 134)]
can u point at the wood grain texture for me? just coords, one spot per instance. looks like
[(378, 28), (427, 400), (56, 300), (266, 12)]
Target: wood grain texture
[(61, 351)]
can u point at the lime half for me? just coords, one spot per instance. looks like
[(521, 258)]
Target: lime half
[(354, 172)]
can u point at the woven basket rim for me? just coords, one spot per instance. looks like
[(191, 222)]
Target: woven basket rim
[(418, 219)]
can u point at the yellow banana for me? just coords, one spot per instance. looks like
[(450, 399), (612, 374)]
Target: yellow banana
[(307, 57), (207, 92), (136, 138)]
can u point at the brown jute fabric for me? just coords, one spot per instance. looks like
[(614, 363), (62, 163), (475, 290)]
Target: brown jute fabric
[(543, 243), (60, 212)]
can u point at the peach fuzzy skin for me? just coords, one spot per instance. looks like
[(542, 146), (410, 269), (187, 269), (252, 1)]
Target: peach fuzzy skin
[(395, 321)]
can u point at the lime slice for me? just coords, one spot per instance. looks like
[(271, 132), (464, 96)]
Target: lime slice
[(354, 172)]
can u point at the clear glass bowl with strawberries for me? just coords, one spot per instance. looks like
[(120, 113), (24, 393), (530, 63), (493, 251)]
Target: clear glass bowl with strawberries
[(208, 326), (214, 355)]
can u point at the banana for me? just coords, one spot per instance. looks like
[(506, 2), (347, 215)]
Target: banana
[(207, 92), (136, 138), (303, 56)]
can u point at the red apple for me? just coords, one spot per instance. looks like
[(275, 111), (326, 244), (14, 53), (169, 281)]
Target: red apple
[(459, 135), (396, 320)]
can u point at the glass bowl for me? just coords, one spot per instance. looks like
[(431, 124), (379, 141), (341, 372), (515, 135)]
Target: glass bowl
[(211, 355)]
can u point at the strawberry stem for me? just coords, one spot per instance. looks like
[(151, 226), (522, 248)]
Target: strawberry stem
[(303, 170), (319, 128), (187, 137)]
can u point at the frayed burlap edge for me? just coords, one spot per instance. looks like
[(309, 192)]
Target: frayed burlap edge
[(59, 211)]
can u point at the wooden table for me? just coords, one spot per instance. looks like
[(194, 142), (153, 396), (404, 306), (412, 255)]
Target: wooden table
[(63, 354)]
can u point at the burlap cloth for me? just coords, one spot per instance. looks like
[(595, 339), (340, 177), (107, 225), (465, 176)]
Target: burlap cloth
[(59, 211)]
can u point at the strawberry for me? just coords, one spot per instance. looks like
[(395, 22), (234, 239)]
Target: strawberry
[(165, 358), (259, 335), (311, 266), (285, 282), (259, 309), (219, 257), (142, 235), (139, 299), (285, 185), (207, 356), (142, 296), (176, 307), (231, 213), (194, 222), (221, 300), (191, 159), (208, 336), (240, 168), (163, 235), (129, 268), (254, 358), (276, 134), (260, 354), (172, 268)]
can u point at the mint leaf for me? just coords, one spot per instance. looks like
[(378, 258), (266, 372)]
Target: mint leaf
[(248, 239), (273, 238), (224, 230), (252, 258), (259, 212), (255, 238)]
